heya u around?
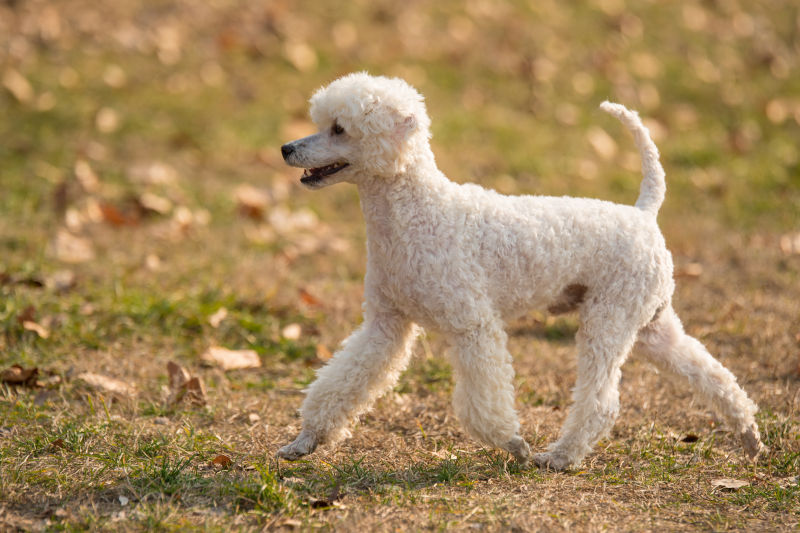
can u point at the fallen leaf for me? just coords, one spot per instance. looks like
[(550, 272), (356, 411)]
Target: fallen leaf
[(690, 270), (332, 500), (116, 217), (320, 503), (216, 319), (195, 391), (107, 120), (309, 299), (60, 281), (86, 176), (177, 375), (106, 384), (40, 330), (790, 243), (691, 437), (221, 461), (114, 76), (152, 262), (292, 332), (72, 249), (183, 385), (323, 353), (253, 418), (27, 314), (28, 281), (251, 202), (17, 375), (602, 143), (231, 359), (18, 85), (58, 444), (729, 484), (155, 204), (300, 55)]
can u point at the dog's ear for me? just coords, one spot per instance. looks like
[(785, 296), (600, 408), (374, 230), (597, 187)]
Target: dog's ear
[(404, 127)]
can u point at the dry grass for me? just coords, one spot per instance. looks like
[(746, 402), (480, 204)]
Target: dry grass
[(186, 101)]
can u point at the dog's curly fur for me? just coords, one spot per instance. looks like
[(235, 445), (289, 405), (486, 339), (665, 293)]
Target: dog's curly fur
[(462, 260)]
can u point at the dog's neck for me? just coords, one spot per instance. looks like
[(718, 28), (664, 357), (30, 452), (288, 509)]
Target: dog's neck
[(386, 200)]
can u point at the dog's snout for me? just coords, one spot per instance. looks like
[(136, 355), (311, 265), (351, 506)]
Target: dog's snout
[(287, 150)]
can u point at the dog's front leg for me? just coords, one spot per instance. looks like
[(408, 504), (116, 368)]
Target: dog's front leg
[(483, 398), (367, 365)]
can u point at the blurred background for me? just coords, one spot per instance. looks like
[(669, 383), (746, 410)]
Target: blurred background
[(207, 91)]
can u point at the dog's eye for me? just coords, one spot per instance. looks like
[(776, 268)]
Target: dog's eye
[(336, 129)]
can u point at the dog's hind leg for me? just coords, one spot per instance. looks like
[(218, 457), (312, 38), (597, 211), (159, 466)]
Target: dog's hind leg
[(665, 343), (604, 340), (367, 365), (483, 398)]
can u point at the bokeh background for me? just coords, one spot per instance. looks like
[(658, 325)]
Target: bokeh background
[(146, 215)]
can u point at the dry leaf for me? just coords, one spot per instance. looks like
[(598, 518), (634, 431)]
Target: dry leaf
[(691, 437), (253, 418), (27, 314), (602, 143), (216, 319), (114, 76), (106, 384), (231, 359), (114, 216), (107, 120), (72, 249), (60, 281), (177, 375), (86, 176), (790, 243), (251, 202), (183, 385), (154, 203), (325, 503), (300, 55), (17, 375), (691, 270), (308, 298), (40, 330), (18, 85), (221, 461), (195, 391), (323, 353), (729, 484), (58, 444)]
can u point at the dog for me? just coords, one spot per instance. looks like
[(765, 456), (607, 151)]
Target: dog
[(463, 260)]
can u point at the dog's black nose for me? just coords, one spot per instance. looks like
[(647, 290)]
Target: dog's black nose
[(287, 150)]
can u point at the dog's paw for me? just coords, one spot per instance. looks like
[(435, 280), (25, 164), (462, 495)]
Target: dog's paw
[(552, 461), (304, 444), (751, 441), (520, 450)]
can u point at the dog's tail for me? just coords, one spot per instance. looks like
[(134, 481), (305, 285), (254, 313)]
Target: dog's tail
[(651, 194)]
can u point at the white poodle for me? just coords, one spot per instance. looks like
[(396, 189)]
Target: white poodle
[(462, 260)]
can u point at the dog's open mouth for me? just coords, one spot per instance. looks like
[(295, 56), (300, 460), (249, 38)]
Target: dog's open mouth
[(315, 175)]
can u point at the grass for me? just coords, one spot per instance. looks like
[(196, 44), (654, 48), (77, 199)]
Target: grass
[(184, 103)]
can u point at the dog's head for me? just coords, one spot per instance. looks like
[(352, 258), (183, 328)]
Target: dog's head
[(368, 126)]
